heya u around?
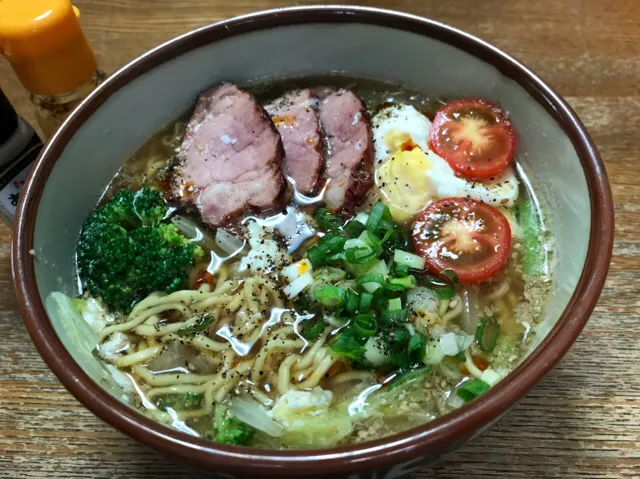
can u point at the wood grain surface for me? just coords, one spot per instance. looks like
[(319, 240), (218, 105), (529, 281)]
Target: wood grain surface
[(582, 421)]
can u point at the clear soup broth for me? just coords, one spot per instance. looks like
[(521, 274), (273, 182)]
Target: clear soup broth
[(273, 339)]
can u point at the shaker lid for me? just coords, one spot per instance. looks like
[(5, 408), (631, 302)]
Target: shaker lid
[(45, 45)]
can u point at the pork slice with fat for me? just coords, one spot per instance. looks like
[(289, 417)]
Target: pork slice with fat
[(295, 117), (349, 167), (229, 160)]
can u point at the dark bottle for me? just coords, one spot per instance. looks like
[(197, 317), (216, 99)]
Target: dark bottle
[(19, 147)]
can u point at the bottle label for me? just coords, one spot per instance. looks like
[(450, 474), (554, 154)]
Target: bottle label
[(13, 177)]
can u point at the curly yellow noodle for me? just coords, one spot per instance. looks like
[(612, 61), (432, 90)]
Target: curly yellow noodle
[(284, 373), (137, 357)]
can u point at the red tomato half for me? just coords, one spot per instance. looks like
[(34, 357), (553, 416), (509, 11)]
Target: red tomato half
[(474, 137), (464, 235)]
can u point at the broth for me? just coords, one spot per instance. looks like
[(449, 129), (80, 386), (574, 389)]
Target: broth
[(255, 360)]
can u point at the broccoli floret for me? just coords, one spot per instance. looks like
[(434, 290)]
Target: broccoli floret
[(230, 429), (132, 210), (125, 253)]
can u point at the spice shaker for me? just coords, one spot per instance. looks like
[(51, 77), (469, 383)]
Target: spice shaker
[(45, 46)]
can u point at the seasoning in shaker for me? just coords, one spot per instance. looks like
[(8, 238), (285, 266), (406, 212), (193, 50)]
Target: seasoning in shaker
[(45, 45)]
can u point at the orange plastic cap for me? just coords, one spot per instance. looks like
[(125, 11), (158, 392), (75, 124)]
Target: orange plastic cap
[(43, 41)]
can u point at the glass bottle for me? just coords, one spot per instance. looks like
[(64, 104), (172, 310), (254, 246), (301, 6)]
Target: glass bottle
[(45, 46)]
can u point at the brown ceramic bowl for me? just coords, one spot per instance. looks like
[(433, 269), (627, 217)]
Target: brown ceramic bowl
[(554, 149)]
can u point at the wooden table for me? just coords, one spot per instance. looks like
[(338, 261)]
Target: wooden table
[(582, 421)]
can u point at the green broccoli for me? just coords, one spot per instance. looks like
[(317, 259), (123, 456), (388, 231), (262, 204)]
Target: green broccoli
[(230, 429), (125, 252)]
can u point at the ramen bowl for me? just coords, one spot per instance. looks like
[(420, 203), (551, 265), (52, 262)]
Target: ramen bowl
[(70, 175)]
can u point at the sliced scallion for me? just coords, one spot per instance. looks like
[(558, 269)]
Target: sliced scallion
[(326, 219), (352, 301), (353, 229), (487, 333), (329, 295), (364, 326), (417, 347), (370, 282), (408, 282), (359, 255), (472, 389), (365, 302), (451, 274), (395, 304), (311, 329), (408, 377), (400, 270), (409, 259), (378, 213), (396, 316), (347, 344)]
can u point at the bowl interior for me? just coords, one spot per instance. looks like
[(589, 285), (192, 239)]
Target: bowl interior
[(131, 114)]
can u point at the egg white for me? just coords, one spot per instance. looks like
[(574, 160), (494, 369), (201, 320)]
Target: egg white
[(395, 125), (398, 122)]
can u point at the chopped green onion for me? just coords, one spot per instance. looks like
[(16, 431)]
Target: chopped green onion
[(327, 245), (316, 256), (409, 259), (326, 219), (487, 334), (408, 377), (329, 295), (472, 389), (461, 357), (200, 325), (397, 316), (446, 292), (352, 301), (417, 347), (370, 282), (395, 304), (371, 240), (353, 229), (400, 270), (451, 274), (359, 255), (408, 282), (348, 345), (400, 336), (312, 329), (443, 289), (365, 302), (378, 213), (364, 326), (393, 290)]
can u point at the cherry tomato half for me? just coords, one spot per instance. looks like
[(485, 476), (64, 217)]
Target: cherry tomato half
[(474, 137), (464, 235)]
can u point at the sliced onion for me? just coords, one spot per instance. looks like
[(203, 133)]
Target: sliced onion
[(434, 354), (250, 411), (452, 343), (193, 232), (228, 243), (470, 314), (298, 285), (454, 400), (422, 300)]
